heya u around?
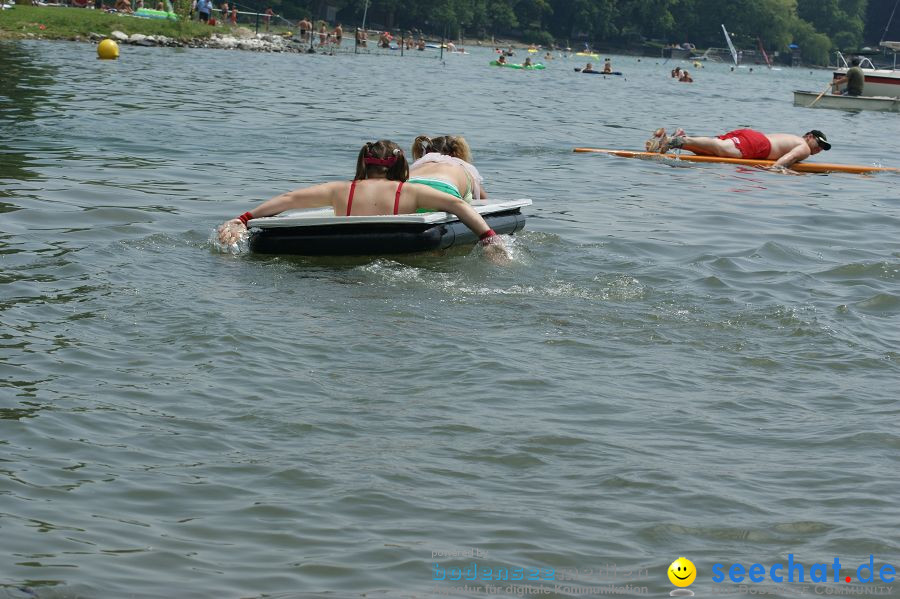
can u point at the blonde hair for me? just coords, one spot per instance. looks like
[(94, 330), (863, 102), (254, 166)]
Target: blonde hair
[(451, 145)]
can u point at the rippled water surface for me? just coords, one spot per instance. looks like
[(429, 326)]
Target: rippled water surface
[(696, 361)]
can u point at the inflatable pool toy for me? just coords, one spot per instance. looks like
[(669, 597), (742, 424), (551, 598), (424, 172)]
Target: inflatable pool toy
[(319, 232), (149, 13), (537, 66), (578, 70), (595, 56), (803, 167)]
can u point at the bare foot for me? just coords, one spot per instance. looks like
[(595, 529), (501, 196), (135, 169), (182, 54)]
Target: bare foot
[(656, 141)]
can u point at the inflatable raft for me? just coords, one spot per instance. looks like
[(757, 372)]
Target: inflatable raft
[(149, 13), (578, 70), (803, 167), (537, 66), (319, 232)]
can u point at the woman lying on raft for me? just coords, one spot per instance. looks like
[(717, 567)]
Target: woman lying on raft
[(445, 164), (378, 188)]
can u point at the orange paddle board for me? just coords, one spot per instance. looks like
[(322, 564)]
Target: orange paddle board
[(804, 167)]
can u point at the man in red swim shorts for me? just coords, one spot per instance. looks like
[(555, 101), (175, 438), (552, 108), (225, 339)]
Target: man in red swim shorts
[(784, 148)]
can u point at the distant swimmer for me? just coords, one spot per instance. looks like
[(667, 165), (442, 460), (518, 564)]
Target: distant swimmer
[(527, 62), (784, 148), (685, 77), (676, 73), (501, 59), (607, 66), (589, 68)]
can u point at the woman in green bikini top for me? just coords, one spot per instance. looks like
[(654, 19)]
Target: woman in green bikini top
[(445, 164)]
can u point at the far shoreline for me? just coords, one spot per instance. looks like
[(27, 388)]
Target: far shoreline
[(52, 23)]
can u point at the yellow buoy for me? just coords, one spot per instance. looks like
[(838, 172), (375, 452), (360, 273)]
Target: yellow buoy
[(108, 50)]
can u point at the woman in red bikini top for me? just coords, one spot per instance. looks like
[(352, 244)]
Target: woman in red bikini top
[(378, 188)]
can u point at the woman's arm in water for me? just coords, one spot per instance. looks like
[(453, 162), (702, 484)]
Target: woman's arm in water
[(308, 197), (427, 197)]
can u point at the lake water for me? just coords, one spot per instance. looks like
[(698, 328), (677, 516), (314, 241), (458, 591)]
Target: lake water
[(695, 361)]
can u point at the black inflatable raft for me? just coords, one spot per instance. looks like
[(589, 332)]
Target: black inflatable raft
[(320, 233)]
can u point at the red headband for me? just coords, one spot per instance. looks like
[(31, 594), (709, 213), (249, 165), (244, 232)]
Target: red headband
[(388, 162)]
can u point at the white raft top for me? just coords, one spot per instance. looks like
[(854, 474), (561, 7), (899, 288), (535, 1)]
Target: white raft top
[(326, 216)]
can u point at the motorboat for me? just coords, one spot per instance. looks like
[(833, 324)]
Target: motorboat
[(878, 82)]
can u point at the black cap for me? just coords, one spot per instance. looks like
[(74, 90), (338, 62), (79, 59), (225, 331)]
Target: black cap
[(820, 139)]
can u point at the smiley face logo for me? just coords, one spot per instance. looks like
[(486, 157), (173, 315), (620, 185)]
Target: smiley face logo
[(682, 572)]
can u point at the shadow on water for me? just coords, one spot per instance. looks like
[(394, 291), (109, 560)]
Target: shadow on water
[(24, 81)]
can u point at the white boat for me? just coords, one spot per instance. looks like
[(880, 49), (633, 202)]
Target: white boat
[(878, 82), (807, 99)]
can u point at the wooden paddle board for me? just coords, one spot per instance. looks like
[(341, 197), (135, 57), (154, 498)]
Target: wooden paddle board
[(804, 167)]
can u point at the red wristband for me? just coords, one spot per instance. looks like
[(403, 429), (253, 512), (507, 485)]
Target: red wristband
[(245, 217), (487, 238)]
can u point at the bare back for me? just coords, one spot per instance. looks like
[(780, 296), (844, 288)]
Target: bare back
[(782, 143), (371, 197), (446, 171)]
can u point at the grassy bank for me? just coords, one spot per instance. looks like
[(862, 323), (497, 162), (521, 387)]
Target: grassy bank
[(62, 23)]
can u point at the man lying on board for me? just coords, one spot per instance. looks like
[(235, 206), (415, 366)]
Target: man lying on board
[(784, 148)]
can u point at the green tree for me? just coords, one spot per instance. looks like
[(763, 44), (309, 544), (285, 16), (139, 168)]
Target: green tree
[(842, 20), (814, 46)]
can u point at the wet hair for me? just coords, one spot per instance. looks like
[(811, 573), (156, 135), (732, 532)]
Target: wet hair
[(382, 157), (451, 145)]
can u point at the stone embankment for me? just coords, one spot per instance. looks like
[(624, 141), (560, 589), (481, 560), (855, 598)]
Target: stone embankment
[(239, 39)]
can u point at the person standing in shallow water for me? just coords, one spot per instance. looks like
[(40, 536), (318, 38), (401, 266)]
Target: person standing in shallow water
[(305, 27)]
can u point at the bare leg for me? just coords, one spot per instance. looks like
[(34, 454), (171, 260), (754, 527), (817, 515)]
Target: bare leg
[(708, 146)]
